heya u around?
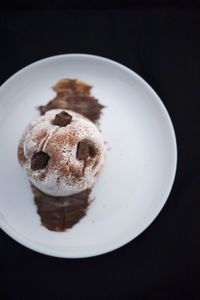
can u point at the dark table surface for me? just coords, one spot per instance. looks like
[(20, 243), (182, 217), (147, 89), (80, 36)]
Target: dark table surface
[(162, 44)]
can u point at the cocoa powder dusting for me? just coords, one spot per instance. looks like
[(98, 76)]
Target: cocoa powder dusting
[(62, 213)]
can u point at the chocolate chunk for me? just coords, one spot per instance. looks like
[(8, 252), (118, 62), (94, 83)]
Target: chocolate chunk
[(92, 150), (82, 150), (62, 119), (39, 160)]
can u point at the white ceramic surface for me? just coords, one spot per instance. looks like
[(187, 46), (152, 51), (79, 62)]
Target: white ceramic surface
[(140, 165)]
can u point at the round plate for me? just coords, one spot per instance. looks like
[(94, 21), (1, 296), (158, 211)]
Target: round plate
[(139, 169)]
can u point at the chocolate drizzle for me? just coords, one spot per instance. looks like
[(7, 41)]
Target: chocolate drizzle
[(61, 213), (74, 95)]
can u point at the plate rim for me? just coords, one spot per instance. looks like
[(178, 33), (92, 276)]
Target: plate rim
[(33, 246)]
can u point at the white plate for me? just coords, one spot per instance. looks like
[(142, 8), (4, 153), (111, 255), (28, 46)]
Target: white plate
[(139, 170)]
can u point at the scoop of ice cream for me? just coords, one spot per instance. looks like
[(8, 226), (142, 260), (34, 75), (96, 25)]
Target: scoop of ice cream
[(62, 152)]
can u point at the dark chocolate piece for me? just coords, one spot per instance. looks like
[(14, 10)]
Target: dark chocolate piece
[(39, 160), (82, 150), (92, 151), (62, 119), (61, 213)]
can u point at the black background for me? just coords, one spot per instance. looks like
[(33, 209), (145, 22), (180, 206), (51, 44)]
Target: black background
[(160, 40)]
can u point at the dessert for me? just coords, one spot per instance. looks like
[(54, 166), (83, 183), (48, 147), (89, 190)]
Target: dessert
[(63, 153)]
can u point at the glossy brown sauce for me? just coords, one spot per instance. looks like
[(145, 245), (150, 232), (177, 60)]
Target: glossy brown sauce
[(61, 213), (74, 95)]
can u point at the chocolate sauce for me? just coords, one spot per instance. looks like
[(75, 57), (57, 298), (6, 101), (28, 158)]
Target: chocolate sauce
[(74, 95), (61, 213)]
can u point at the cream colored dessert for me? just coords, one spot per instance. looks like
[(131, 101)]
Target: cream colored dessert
[(62, 152)]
